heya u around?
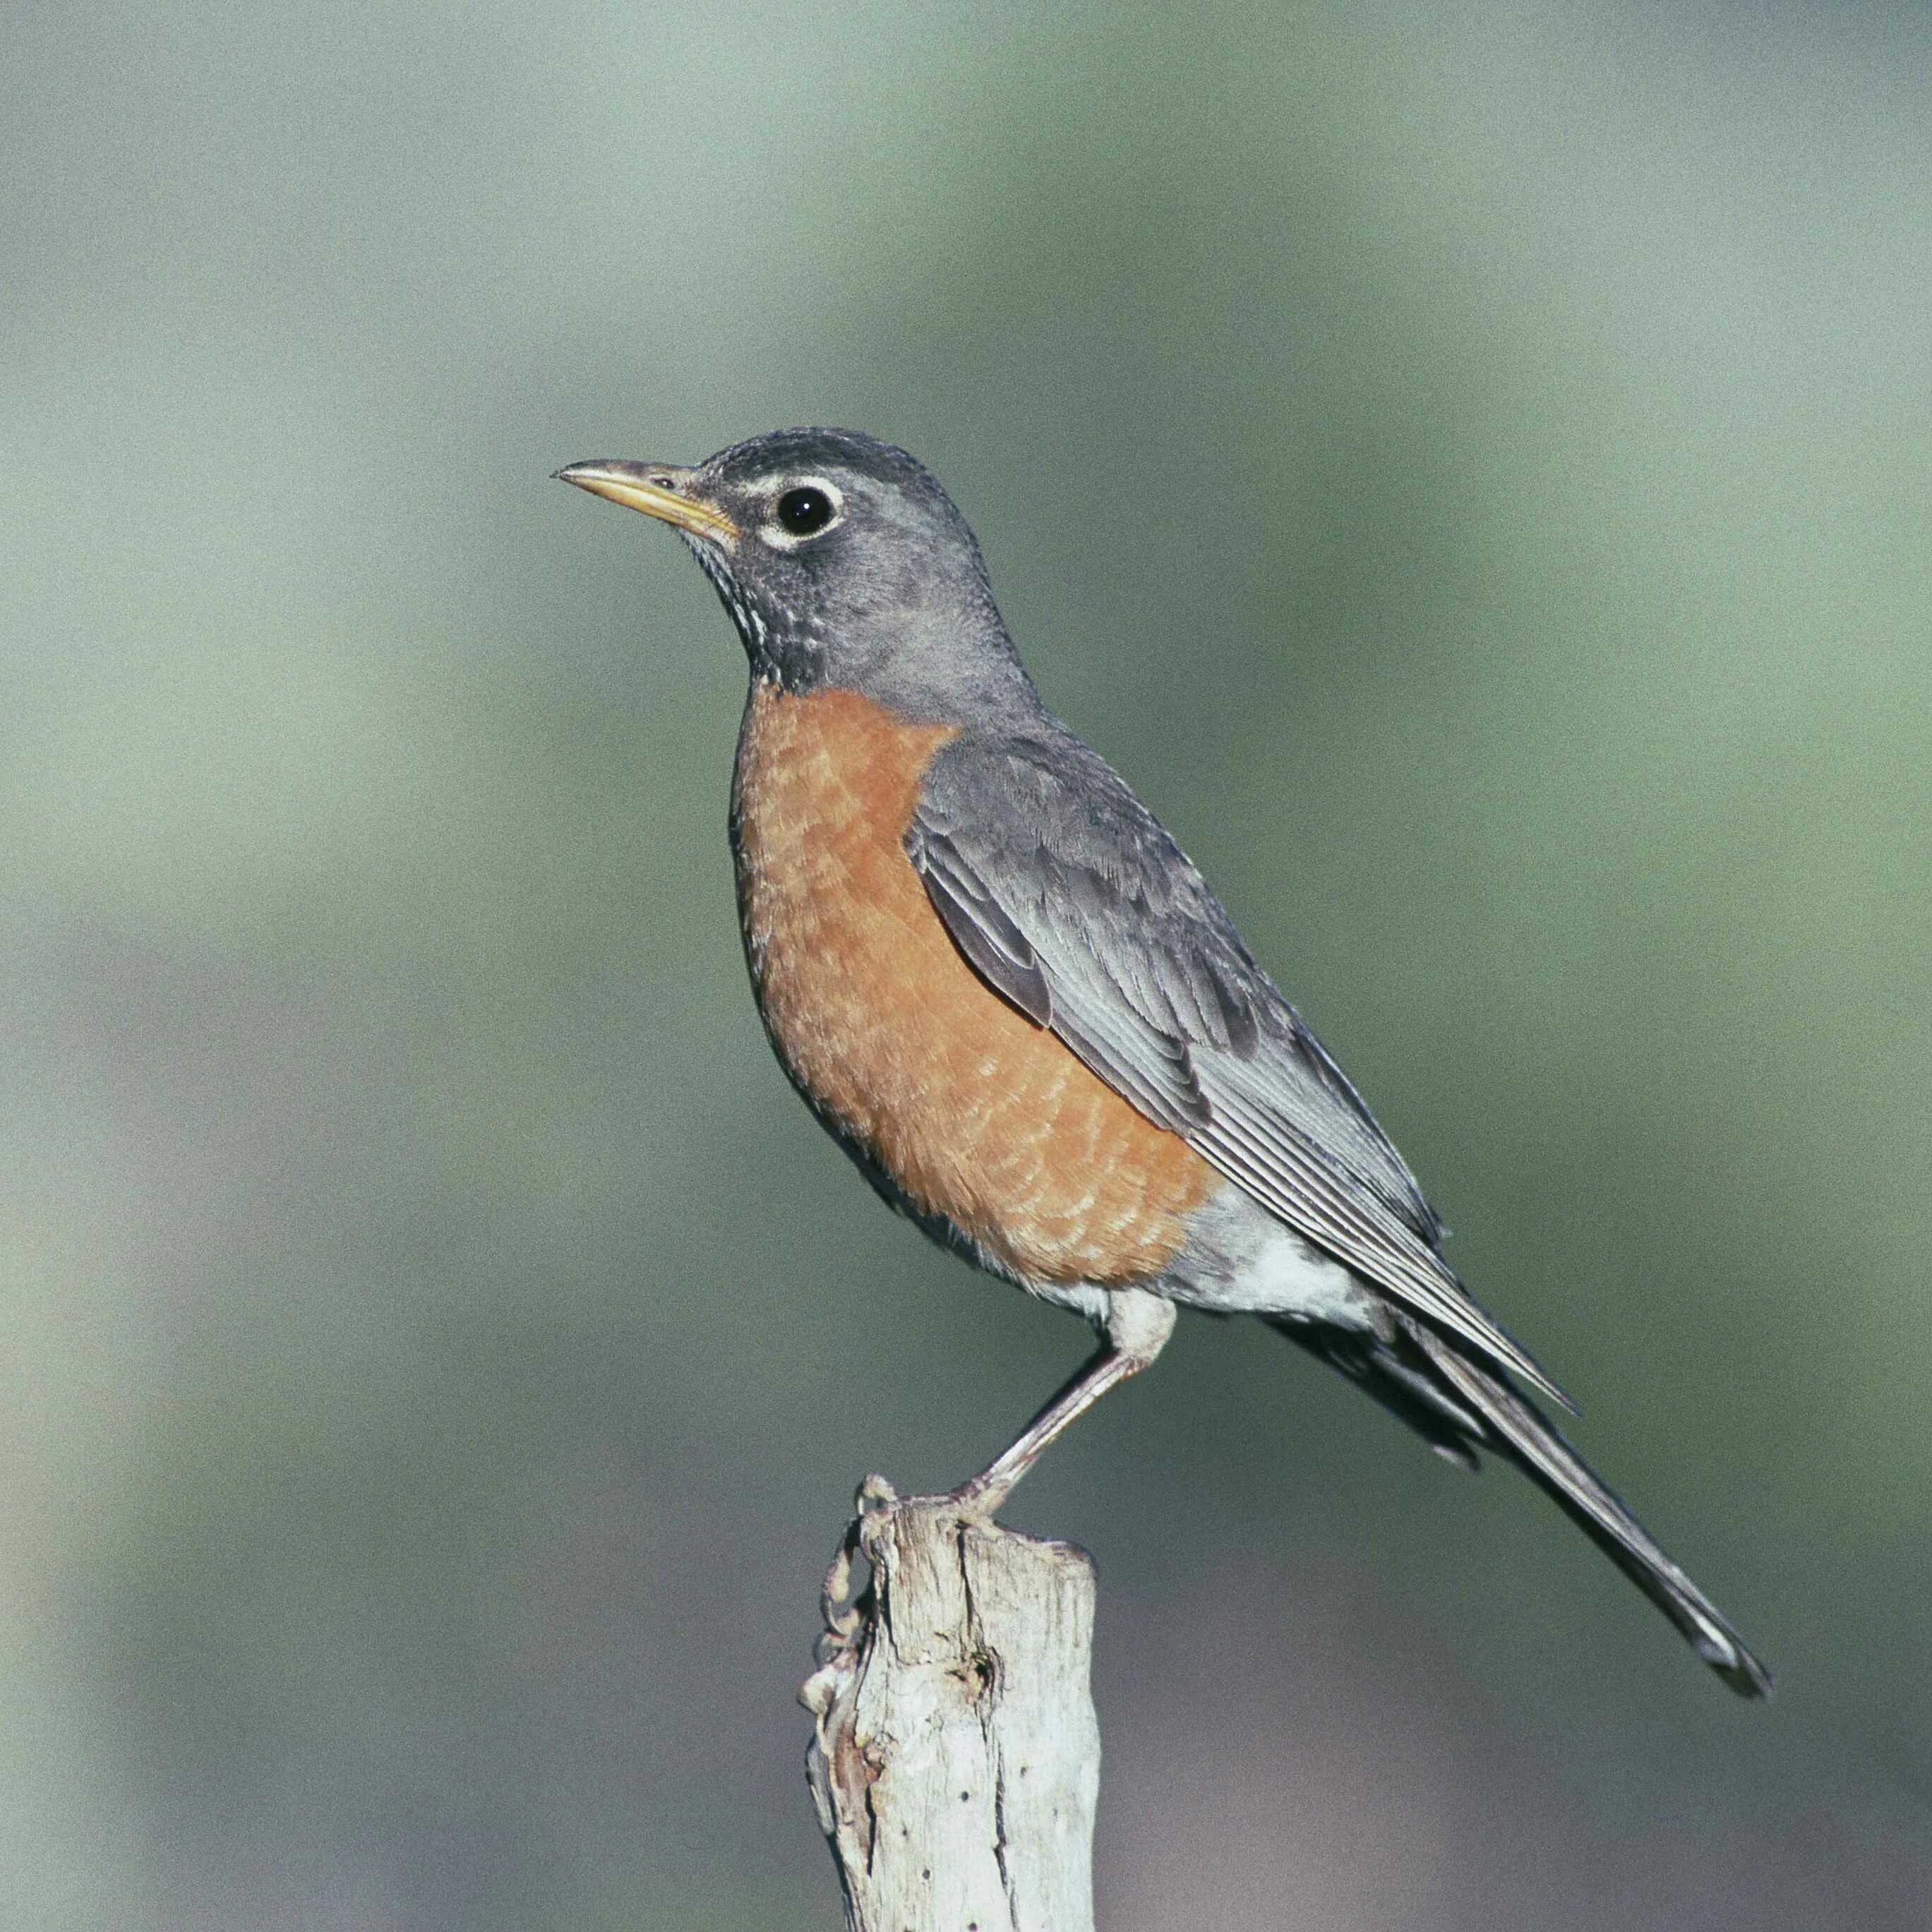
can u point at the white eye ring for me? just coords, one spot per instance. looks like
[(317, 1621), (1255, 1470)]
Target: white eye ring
[(805, 507)]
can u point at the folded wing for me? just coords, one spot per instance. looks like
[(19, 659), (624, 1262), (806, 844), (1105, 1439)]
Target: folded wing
[(1072, 902)]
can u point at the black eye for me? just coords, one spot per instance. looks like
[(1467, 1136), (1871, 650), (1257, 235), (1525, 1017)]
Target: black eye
[(804, 510)]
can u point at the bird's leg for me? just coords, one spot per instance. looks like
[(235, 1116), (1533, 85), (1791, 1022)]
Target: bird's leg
[(1138, 1323)]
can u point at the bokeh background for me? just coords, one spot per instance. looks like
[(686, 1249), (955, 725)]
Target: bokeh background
[(1468, 464)]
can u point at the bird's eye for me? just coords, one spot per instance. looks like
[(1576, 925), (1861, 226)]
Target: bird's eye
[(804, 510)]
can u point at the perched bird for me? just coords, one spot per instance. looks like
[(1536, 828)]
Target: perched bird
[(1006, 993)]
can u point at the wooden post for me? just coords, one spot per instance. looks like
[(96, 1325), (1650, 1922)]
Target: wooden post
[(956, 1759)]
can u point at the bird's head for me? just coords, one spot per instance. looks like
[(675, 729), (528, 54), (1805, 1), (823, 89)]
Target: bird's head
[(842, 561)]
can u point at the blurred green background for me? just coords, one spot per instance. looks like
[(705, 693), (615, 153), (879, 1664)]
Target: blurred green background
[(1467, 465)]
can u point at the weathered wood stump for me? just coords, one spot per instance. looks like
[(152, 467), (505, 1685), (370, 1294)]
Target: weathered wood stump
[(955, 1761)]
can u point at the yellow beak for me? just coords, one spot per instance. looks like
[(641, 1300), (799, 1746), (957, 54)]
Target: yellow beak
[(660, 489)]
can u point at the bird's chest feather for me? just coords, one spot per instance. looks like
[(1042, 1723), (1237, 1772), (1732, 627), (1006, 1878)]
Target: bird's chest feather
[(977, 1115)]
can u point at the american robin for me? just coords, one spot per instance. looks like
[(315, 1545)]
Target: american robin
[(1005, 992)]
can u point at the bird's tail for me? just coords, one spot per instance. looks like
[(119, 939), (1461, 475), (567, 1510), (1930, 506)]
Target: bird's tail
[(1517, 1429)]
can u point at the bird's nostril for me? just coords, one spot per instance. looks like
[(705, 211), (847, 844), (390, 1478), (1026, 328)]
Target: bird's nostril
[(665, 482)]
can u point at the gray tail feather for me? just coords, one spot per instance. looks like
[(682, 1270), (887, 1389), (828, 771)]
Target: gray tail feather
[(1458, 1406), (1523, 1433)]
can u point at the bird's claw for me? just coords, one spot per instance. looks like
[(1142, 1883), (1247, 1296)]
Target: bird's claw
[(846, 1611)]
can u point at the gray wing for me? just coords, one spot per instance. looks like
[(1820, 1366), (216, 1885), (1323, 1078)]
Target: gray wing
[(1071, 899)]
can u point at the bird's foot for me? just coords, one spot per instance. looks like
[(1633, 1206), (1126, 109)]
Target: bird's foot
[(847, 1608), (979, 1500)]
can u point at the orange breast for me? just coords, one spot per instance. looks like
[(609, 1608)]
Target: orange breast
[(976, 1114)]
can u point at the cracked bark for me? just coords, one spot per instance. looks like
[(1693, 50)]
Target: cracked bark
[(956, 1759)]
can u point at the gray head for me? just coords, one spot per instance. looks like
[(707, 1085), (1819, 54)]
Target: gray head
[(843, 564)]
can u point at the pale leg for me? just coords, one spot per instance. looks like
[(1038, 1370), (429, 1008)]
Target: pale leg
[(1138, 1323)]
